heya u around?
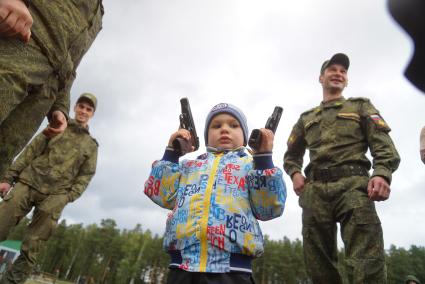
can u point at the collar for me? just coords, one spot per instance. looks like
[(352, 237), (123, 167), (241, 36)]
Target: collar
[(332, 103), (72, 123), (240, 150)]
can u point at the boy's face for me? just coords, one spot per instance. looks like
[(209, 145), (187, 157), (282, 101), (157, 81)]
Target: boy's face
[(225, 132)]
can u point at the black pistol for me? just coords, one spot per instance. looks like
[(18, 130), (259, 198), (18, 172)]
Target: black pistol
[(180, 145), (272, 123)]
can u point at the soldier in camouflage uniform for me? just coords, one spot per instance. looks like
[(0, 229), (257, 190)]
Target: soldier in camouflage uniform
[(336, 187), (48, 174), (41, 44)]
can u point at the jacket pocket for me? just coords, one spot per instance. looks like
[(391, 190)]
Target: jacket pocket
[(312, 131), (348, 127)]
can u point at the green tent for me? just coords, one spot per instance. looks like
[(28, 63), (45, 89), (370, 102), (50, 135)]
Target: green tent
[(9, 249), (11, 244)]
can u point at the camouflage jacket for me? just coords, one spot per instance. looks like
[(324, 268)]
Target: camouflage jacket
[(340, 132), (64, 164), (64, 31)]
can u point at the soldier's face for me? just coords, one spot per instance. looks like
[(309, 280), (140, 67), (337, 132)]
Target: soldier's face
[(83, 112), (334, 78), (225, 132)]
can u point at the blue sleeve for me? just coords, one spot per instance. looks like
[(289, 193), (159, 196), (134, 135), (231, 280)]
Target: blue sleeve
[(163, 182), (267, 191)]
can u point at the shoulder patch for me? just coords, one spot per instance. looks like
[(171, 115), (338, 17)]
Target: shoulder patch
[(379, 122)]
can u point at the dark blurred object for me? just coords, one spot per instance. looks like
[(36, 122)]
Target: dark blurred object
[(410, 14)]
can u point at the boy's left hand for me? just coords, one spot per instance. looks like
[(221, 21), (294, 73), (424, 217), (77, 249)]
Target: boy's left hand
[(266, 145)]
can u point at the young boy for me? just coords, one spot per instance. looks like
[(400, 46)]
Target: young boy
[(212, 233)]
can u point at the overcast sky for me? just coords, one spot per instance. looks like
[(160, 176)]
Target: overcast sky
[(254, 54)]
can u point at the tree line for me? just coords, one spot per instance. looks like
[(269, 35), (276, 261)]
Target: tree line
[(106, 254)]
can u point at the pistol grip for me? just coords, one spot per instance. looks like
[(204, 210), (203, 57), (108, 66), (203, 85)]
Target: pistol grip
[(182, 146), (255, 139)]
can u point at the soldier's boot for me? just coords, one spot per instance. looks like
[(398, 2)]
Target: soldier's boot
[(39, 230)]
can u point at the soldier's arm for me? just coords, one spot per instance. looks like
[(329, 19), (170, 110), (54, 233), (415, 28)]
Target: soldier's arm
[(85, 174), (32, 151), (385, 156), (58, 115), (293, 158), (63, 98)]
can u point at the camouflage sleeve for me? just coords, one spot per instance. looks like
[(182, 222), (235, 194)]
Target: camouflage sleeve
[(385, 156), (32, 151), (63, 98), (85, 174), (267, 192), (293, 158), (163, 183)]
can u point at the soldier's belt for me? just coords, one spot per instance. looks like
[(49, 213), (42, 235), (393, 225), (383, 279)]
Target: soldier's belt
[(335, 173)]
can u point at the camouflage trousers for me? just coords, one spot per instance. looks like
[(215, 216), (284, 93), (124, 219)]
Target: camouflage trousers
[(345, 202), (17, 204), (28, 89)]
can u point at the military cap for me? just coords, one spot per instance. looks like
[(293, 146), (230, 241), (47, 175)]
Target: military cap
[(88, 97), (338, 58)]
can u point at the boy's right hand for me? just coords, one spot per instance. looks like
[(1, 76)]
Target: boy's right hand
[(15, 20), (181, 133)]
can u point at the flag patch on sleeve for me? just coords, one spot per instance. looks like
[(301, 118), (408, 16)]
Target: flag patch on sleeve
[(379, 121)]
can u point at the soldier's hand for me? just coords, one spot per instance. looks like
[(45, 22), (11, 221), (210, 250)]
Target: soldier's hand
[(4, 189), (298, 181), (378, 189), (266, 144), (57, 125), (15, 19)]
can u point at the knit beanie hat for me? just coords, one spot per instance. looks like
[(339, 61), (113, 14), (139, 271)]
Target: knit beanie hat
[(229, 109)]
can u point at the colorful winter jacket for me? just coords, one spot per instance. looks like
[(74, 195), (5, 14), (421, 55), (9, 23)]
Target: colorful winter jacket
[(215, 202)]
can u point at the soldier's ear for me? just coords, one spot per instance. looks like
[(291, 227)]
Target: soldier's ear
[(320, 79)]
